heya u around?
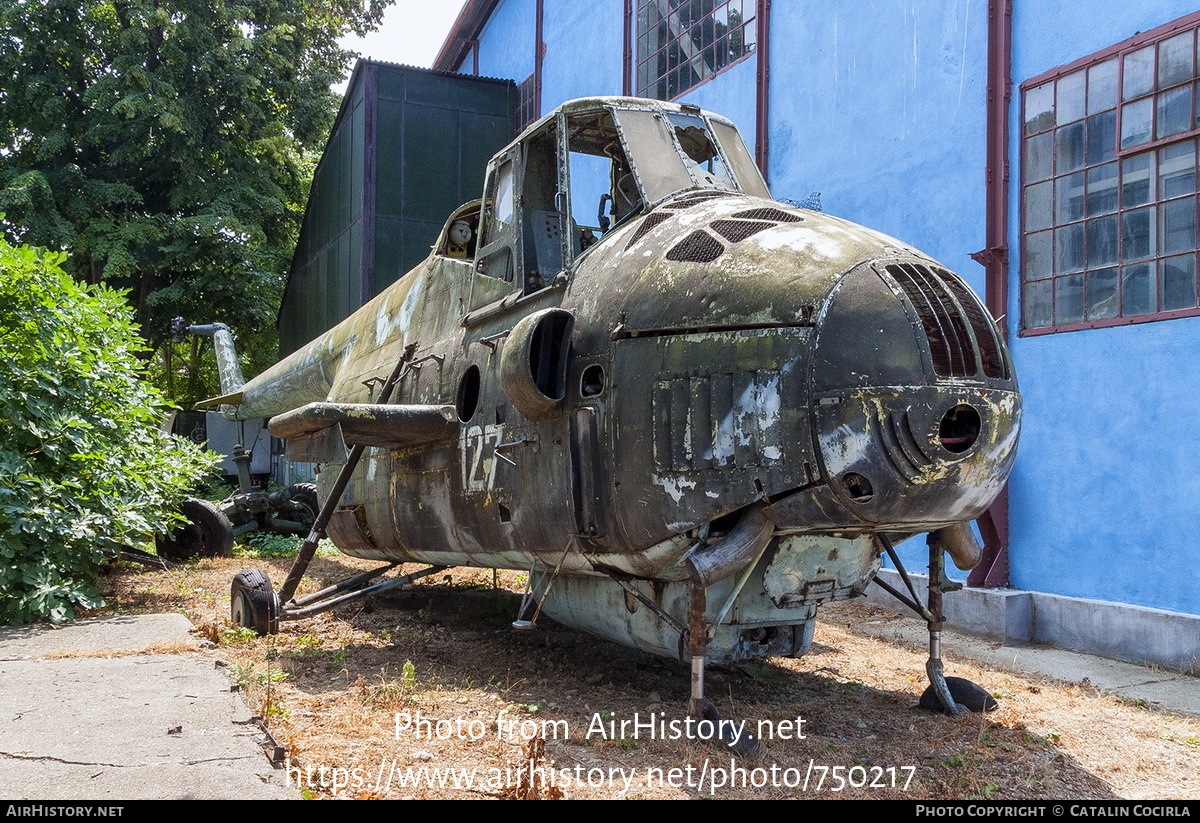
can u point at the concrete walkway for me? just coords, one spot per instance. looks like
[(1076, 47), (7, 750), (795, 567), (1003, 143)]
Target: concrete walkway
[(89, 711), (1159, 687)]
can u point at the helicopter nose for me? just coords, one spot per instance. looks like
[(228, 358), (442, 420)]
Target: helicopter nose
[(900, 441)]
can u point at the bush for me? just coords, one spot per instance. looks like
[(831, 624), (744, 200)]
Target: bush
[(84, 467)]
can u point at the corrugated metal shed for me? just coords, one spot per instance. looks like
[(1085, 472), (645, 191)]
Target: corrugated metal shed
[(409, 146)]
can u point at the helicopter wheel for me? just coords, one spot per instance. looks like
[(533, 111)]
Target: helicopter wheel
[(253, 603), (741, 745), (207, 533), (971, 696), (305, 495)]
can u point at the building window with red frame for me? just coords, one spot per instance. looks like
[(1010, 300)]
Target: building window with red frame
[(1108, 186), (682, 43)]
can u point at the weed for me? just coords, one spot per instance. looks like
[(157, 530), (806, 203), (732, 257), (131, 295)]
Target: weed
[(425, 614), (277, 710), (408, 676), (385, 635), (954, 762), (534, 708), (338, 656), (989, 789), (238, 634)]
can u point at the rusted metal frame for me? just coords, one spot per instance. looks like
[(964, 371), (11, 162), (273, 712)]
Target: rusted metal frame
[(699, 705), (1137, 41), (625, 581), (549, 583), (345, 585), (995, 257), (378, 588), (539, 51), (762, 89), (1153, 36), (992, 571), (627, 55), (309, 547)]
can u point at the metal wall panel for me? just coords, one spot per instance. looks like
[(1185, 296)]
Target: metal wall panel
[(408, 146)]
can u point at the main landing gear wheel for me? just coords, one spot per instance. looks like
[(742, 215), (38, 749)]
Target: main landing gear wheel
[(305, 496), (207, 533), (253, 603), (970, 696)]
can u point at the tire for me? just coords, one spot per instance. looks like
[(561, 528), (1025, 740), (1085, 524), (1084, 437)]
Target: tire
[(973, 697), (305, 495), (253, 603), (207, 533)]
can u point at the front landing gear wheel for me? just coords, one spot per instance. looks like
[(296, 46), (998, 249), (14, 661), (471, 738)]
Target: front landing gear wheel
[(253, 603), (207, 533), (969, 695), (739, 741)]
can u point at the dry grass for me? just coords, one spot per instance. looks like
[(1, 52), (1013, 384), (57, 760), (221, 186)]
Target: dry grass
[(164, 647), (331, 689)]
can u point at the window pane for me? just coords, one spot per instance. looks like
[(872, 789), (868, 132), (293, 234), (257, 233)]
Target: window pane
[(1102, 294), (1038, 298), (1039, 157), (1039, 108), (1135, 122), (1069, 198), (1102, 189), (1102, 86), (1069, 147), (1137, 289), (1137, 234), (1102, 137), (1037, 259), (1139, 73), (1102, 242), (1068, 299), (1174, 112), (1177, 221), (1137, 180), (1177, 169), (1038, 214), (1070, 98), (1068, 249), (1175, 60), (1179, 282)]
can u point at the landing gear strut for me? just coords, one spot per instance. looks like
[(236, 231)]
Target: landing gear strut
[(951, 695)]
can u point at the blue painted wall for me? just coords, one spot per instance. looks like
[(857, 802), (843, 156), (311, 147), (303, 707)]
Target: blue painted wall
[(506, 42), (584, 46), (1106, 495), (879, 105)]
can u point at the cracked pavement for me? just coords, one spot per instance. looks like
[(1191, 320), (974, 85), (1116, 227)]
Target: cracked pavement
[(76, 724)]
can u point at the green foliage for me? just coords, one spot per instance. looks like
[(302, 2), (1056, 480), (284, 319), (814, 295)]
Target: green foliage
[(168, 146), (84, 468)]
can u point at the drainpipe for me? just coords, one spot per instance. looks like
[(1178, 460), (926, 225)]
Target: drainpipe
[(993, 570), (762, 86)]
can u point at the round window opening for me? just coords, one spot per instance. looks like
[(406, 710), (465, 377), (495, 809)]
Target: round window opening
[(959, 428)]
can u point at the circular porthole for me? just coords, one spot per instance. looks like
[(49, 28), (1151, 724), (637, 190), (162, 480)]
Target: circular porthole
[(959, 429), (468, 394)]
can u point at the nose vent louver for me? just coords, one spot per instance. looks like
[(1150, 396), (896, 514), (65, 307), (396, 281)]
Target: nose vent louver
[(697, 247), (960, 335)]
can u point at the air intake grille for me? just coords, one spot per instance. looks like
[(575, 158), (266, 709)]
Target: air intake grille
[(778, 215), (983, 327), (950, 343), (647, 225), (735, 230), (695, 198), (697, 247)]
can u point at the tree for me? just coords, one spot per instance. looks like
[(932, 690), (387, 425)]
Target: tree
[(84, 468), (167, 145)]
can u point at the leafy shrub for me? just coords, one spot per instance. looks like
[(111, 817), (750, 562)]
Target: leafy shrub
[(84, 467)]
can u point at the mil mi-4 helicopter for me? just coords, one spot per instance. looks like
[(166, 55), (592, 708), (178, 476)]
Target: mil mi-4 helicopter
[(692, 412)]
